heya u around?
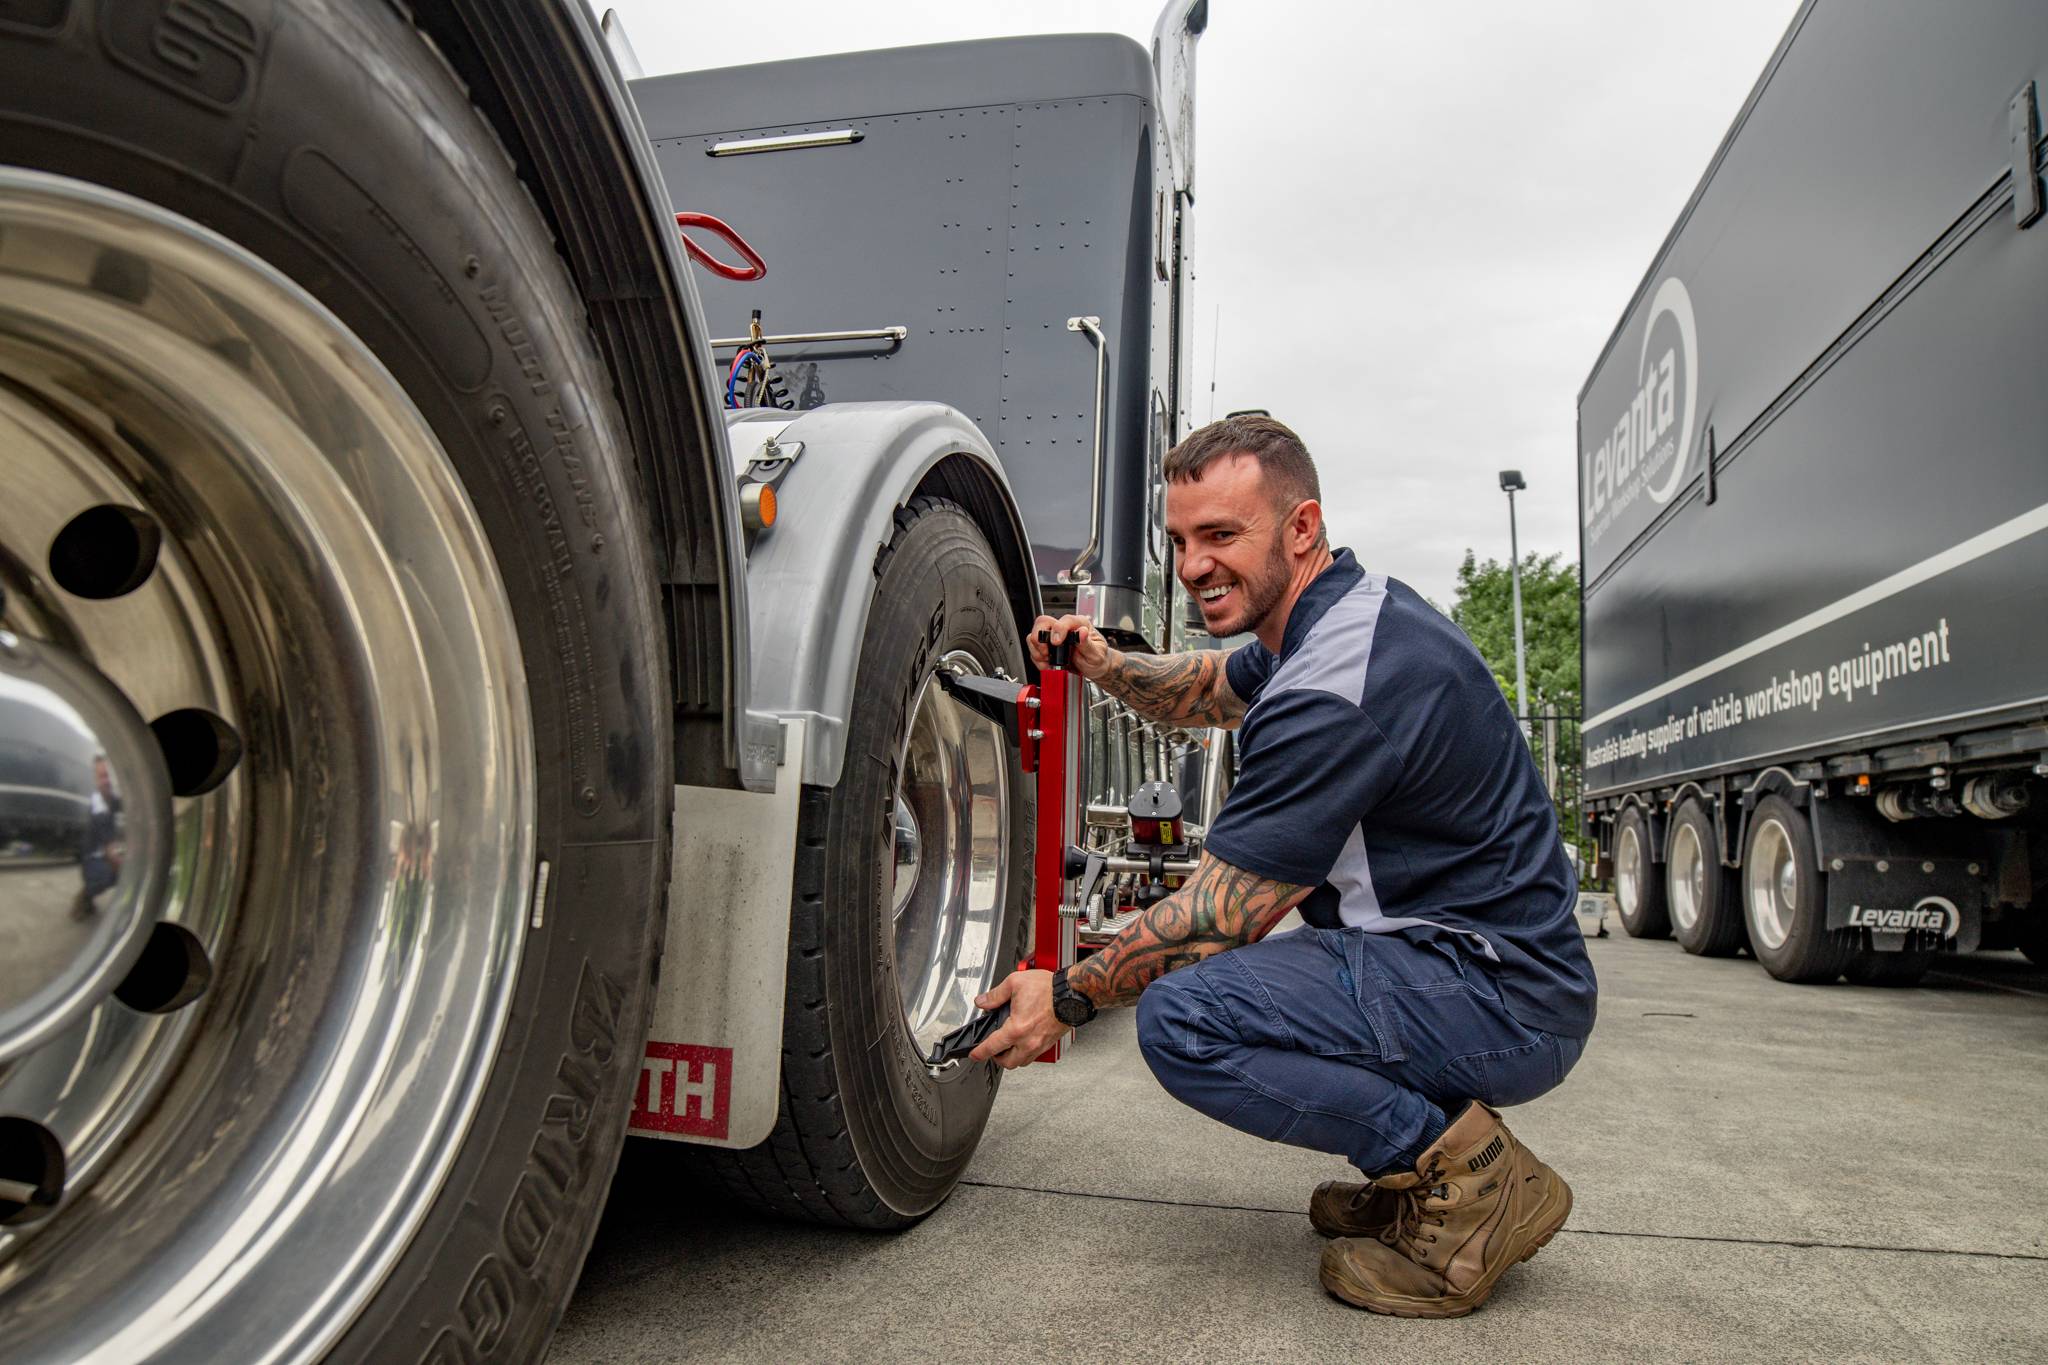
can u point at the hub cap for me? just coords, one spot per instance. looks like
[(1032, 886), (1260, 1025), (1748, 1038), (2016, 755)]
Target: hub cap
[(1688, 876), (225, 518), (1773, 884), (950, 850), (1628, 870), (85, 812)]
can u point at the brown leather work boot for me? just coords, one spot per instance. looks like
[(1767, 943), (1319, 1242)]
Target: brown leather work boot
[(1476, 1203), (1338, 1209)]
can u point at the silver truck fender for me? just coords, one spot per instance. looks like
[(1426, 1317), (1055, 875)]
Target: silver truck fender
[(809, 578)]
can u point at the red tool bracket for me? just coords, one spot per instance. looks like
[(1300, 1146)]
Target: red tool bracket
[(1046, 721), (755, 267), (1060, 719)]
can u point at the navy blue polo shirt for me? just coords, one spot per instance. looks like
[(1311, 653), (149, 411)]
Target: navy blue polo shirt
[(1380, 764)]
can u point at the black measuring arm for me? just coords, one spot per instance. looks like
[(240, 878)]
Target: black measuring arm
[(955, 1046)]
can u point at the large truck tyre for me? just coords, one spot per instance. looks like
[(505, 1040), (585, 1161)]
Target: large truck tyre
[(310, 459), (1785, 899), (912, 885), (1639, 893), (1700, 896)]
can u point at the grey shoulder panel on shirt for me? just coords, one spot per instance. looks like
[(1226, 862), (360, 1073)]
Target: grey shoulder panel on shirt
[(1338, 649)]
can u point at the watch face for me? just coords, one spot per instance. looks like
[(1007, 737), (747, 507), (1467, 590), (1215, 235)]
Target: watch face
[(1070, 1010)]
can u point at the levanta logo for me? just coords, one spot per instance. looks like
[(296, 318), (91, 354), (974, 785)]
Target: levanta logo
[(1937, 914), (1649, 447)]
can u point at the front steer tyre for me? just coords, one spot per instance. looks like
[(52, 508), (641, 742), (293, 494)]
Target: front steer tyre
[(912, 883), (1784, 898), (269, 285)]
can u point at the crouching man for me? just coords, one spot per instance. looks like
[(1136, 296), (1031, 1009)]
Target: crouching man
[(1385, 791)]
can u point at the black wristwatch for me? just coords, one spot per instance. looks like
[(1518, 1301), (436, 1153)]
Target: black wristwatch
[(1069, 1006)]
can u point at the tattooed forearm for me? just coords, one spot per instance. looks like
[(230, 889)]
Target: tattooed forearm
[(1220, 907), (1188, 688)]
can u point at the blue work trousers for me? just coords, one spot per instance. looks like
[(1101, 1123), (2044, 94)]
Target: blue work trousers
[(1344, 1041)]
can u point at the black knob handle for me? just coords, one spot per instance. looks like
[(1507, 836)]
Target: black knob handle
[(1059, 655)]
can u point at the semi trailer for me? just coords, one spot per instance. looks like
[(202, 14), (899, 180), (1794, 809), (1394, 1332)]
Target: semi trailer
[(1814, 515), (496, 557)]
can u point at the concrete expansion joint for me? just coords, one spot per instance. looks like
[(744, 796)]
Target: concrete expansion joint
[(1800, 1244)]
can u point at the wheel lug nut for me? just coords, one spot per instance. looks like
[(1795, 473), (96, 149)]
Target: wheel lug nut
[(105, 551), (200, 749), (31, 1170)]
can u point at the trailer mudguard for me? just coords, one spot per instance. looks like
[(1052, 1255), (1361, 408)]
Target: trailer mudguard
[(811, 575)]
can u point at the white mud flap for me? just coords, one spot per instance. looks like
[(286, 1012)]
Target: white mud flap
[(713, 1067)]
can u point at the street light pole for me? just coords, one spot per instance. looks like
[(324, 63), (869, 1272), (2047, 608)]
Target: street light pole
[(1510, 480)]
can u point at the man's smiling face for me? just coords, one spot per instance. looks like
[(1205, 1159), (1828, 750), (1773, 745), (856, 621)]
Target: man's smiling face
[(1227, 534)]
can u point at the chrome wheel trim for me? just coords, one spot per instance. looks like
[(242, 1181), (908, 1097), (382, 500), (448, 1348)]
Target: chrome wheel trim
[(1628, 856), (1688, 874), (244, 1171), (1773, 884), (953, 785)]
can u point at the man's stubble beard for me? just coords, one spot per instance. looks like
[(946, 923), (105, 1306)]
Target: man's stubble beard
[(1262, 596)]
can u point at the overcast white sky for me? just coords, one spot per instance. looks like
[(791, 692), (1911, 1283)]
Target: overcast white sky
[(1420, 220)]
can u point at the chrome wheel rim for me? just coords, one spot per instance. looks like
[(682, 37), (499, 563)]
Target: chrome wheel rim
[(1688, 869), (246, 1156), (1773, 884), (1628, 889), (948, 859)]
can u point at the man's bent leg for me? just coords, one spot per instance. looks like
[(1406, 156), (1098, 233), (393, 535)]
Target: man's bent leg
[(1270, 1039)]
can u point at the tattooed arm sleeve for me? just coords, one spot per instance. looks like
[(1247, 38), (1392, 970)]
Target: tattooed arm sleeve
[(1219, 908), (1188, 688)]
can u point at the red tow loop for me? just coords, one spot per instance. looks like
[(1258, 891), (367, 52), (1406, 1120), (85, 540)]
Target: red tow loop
[(755, 267)]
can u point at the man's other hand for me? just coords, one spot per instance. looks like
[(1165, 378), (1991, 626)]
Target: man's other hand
[(1090, 654), (1032, 1027)]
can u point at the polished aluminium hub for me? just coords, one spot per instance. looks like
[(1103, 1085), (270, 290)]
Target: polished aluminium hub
[(949, 852), (223, 517), (85, 840)]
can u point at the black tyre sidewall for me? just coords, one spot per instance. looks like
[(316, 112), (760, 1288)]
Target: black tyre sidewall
[(939, 590), (424, 244), (1720, 928), (1651, 918), (1811, 953)]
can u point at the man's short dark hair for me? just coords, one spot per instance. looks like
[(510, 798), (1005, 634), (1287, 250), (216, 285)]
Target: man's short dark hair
[(1283, 459)]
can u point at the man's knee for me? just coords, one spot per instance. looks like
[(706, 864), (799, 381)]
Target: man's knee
[(1162, 1021)]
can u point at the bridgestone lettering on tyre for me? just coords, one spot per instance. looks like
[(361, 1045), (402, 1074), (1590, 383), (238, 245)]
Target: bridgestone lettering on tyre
[(268, 282), (865, 1137)]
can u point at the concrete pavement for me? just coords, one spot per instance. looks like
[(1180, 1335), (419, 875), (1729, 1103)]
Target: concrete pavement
[(1761, 1171)]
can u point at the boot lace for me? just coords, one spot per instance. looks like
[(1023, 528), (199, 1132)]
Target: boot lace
[(1412, 1217)]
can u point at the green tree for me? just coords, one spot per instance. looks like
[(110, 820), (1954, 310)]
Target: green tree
[(1484, 610)]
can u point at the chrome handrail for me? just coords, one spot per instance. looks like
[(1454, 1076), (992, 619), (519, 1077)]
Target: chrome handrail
[(800, 338), (1093, 327)]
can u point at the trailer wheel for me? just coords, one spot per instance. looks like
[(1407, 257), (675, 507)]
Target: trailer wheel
[(912, 888), (1638, 890), (311, 463), (1706, 917), (1785, 899), (1870, 967)]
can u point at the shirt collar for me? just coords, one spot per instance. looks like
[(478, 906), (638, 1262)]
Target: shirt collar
[(1317, 598)]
